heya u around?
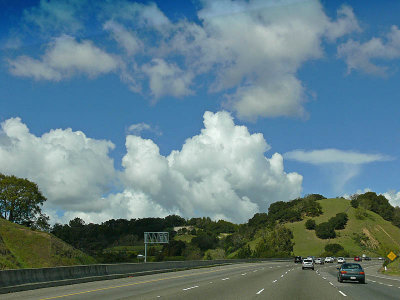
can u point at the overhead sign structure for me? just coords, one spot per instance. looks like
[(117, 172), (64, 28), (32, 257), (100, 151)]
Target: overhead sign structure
[(154, 238), (392, 256)]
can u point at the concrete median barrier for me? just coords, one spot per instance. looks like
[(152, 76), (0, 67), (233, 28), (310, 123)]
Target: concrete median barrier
[(27, 279)]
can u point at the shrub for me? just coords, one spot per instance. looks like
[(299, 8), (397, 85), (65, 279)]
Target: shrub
[(339, 221), (325, 231), (354, 203), (310, 224)]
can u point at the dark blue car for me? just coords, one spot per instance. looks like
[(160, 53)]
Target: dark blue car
[(351, 271)]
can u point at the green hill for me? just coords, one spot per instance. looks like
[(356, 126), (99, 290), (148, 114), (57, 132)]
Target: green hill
[(371, 234), (21, 247)]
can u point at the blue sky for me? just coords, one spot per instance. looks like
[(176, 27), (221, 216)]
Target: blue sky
[(123, 109)]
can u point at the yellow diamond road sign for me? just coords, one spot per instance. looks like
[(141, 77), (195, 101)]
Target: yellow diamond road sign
[(391, 256)]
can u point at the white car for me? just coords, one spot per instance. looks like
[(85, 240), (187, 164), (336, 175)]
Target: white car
[(308, 263), (319, 261), (328, 259), (341, 260)]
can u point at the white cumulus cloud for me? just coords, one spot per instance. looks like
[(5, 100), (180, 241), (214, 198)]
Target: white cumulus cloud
[(363, 56), (220, 172), (393, 197), (249, 52), (72, 170), (63, 58)]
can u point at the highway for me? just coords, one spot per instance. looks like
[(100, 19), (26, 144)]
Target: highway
[(266, 280)]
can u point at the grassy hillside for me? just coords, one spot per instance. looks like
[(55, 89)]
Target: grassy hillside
[(21, 247), (372, 235)]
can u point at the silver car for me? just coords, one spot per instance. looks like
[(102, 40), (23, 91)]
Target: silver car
[(308, 263)]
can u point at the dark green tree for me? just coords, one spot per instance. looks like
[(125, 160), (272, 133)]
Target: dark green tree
[(310, 224), (339, 221), (21, 201), (325, 230)]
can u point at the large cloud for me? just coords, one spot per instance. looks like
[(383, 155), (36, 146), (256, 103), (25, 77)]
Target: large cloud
[(247, 51), (221, 173), (72, 170)]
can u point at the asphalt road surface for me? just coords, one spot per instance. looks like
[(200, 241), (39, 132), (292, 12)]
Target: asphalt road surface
[(267, 280)]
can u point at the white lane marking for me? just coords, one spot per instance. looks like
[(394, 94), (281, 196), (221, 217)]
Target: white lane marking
[(275, 280), (210, 281), (372, 280), (330, 283), (281, 276), (324, 277), (389, 285), (255, 271), (244, 274), (270, 267), (158, 296), (343, 293), (285, 272), (225, 278), (189, 288), (384, 277), (259, 292)]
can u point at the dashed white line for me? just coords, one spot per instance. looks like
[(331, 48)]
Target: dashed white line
[(330, 283), (324, 277), (389, 285), (189, 288), (255, 271), (281, 276), (275, 280), (260, 291), (244, 274), (343, 293), (225, 278)]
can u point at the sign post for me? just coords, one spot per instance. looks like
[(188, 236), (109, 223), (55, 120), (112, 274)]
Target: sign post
[(154, 238)]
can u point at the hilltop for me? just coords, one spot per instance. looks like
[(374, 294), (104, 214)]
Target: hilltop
[(21, 247), (371, 235)]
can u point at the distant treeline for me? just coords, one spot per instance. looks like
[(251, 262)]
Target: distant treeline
[(206, 241)]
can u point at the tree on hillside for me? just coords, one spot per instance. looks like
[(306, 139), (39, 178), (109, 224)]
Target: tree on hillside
[(377, 203), (21, 201), (310, 224), (325, 230)]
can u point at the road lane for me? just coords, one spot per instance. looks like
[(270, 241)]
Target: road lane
[(376, 286), (267, 280)]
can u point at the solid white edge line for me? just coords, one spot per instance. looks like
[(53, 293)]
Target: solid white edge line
[(275, 280), (343, 293), (260, 291)]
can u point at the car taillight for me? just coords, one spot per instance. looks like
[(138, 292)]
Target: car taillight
[(343, 272), (362, 273)]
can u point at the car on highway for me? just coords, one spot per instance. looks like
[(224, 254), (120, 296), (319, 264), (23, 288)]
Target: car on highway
[(367, 258), (357, 258), (319, 261), (308, 263), (351, 271), (298, 259), (341, 260), (328, 259)]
